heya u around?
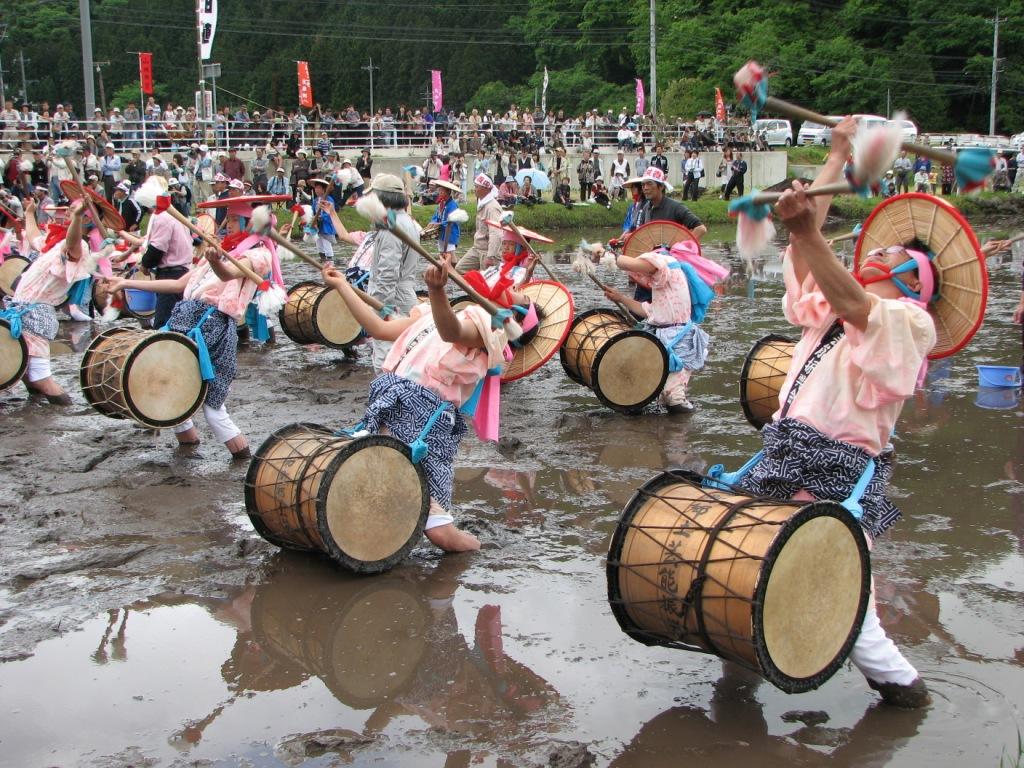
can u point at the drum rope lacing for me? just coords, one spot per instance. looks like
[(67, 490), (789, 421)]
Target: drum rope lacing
[(695, 594)]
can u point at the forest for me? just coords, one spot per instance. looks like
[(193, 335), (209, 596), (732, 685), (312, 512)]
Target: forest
[(932, 60)]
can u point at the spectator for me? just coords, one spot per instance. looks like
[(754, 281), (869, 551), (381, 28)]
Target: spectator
[(737, 172), (693, 171), (508, 192), (620, 172), (586, 174), (642, 162), (658, 160), (365, 163), (563, 195), (278, 185), (599, 192), (902, 168)]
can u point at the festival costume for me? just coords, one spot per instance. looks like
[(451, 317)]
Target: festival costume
[(43, 286), (423, 373), (215, 307), (668, 316), (838, 418), (449, 232)]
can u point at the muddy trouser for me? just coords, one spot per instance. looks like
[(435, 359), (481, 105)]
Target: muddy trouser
[(735, 182), (325, 246), (874, 653), (165, 301), (220, 422)]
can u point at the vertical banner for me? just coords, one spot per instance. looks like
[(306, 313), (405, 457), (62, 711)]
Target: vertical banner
[(544, 93), (146, 73), (207, 26), (305, 86), (435, 89), (719, 106), (640, 102)]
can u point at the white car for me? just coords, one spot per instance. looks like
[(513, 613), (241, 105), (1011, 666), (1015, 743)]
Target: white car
[(777, 133), (909, 130), (815, 133)]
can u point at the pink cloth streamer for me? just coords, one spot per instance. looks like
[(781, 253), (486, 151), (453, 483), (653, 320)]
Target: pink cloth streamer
[(103, 265), (5, 246), (688, 252), (488, 407), (275, 263), (752, 236)]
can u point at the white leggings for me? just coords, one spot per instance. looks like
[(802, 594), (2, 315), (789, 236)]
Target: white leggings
[(38, 369), (876, 655), (220, 423), (325, 246)]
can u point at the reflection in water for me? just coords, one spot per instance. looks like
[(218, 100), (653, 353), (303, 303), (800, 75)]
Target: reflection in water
[(390, 644), (735, 729)]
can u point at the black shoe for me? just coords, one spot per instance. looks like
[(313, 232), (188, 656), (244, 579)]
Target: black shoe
[(913, 696)]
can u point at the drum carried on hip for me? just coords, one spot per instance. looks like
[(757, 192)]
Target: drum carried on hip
[(626, 367), (764, 372), (316, 314), (778, 587), (10, 271), (150, 376), (13, 357), (310, 489)]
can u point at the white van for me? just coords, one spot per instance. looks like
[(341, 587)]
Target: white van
[(778, 133), (815, 133), (909, 130)]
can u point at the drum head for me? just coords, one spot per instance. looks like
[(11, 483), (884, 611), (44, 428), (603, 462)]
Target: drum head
[(335, 321), (206, 223), (630, 371), (655, 235), (812, 596), (764, 372), (161, 380), (10, 271), (13, 357), (370, 526), (566, 355), (555, 302)]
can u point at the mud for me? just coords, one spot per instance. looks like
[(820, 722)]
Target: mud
[(144, 623)]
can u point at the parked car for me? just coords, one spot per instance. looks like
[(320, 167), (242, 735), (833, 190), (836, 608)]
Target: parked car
[(815, 133), (777, 133), (909, 130)]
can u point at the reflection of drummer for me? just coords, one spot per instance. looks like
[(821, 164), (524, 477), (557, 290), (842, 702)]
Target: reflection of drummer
[(215, 297), (433, 368), (845, 389), (65, 259)]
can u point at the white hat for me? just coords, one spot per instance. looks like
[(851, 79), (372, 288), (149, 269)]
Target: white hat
[(108, 145), (125, 186), (655, 174), (203, 148), (236, 184), (173, 182), (387, 182), (279, 170)]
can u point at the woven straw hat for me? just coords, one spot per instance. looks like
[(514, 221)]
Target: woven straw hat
[(557, 309), (446, 184), (958, 261), (111, 218), (654, 235)]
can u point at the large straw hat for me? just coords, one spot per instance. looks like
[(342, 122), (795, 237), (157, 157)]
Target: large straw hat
[(958, 261), (446, 184), (557, 310), (655, 235), (111, 218), (510, 234)]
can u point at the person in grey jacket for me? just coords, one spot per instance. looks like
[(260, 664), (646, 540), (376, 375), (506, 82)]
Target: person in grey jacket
[(394, 266)]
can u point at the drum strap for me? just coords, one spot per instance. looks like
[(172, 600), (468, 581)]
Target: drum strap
[(196, 334), (34, 317), (832, 337), (419, 446)]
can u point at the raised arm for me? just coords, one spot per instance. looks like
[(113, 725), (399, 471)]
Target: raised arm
[(449, 327), (32, 232)]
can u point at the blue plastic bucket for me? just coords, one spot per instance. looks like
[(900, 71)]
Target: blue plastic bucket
[(998, 376), (140, 301), (997, 398)]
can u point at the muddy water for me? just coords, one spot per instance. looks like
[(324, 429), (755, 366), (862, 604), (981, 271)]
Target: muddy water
[(144, 623)]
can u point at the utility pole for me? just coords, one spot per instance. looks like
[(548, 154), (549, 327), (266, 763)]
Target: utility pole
[(3, 92), (103, 93), (995, 74), (85, 21), (201, 106), (654, 65), (25, 87), (888, 103), (369, 68)]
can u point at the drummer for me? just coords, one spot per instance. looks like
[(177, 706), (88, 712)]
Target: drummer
[(215, 297), (448, 231), (64, 260), (435, 367), (671, 316), (168, 256), (325, 232)]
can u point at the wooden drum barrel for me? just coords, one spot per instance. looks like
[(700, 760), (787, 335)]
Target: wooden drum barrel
[(10, 271), (626, 367), (13, 357), (360, 501), (778, 587), (150, 376), (316, 314), (764, 372)]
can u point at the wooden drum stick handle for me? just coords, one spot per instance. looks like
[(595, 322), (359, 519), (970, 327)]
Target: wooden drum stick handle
[(212, 241)]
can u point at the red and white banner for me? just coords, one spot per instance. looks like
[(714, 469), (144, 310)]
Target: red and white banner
[(435, 89), (146, 73), (719, 106), (305, 86), (640, 101)]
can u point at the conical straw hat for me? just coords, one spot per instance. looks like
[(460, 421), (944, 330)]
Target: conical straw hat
[(556, 306), (654, 235), (963, 279)]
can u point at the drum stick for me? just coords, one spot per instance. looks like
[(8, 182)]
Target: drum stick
[(15, 221), (280, 239), (838, 188), (97, 219), (801, 113), (623, 309), (212, 241)]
